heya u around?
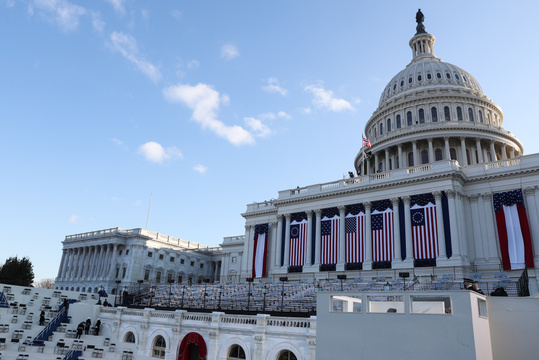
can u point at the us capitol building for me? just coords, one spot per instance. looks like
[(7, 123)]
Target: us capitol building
[(440, 191)]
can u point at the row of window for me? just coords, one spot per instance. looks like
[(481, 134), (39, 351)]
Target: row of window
[(429, 76), (172, 259), (234, 352), (434, 118)]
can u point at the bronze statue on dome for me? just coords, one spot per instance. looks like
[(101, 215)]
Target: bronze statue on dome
[(419, 18)]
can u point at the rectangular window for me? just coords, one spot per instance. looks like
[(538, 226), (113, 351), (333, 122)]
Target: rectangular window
[(171, 259), (430, 304), (386, 304), (180, 279), (192, 263), (117, 272), (161, 256), (234, 259), (146, 274), (158, 277), (339, 303), (169, 278), (482, 307), (150, 254), (182, 261), (126, 252), (123, 272), (120, 253), (202, 266)]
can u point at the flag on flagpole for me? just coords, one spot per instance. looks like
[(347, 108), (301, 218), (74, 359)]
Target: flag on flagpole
[(260, 250), (366, 142)]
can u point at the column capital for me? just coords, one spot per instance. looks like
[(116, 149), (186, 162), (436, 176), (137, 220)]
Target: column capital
[(429, 139), (473, 197), (288, 217), (395, 201), (341, 208), (450, 193), (437, 195), (367, 205), (462, 138), (529, 191), (446, 138), (486, 196), (280, 217), (406, 199), (309, 213), (318, 212)]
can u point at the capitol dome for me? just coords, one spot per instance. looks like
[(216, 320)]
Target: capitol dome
[(433, 111)]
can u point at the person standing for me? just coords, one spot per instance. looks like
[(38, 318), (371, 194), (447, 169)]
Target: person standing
[(87, 326), (97, 326)]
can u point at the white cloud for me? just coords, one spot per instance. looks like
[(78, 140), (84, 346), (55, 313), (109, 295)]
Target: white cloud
[(154, 152), (284, 115), (73, 219), (177, 14), (201, 169), (273, 87), (127, 46), (229, 52), (61, 12), (306, 110), (258, 127), (118, 6), (204, 101), (117, 142), (97, 23), (225, 99), (193, 64), (324, 99)]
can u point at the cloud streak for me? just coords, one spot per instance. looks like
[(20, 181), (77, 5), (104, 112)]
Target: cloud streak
[(324, 99), (126, 45), (155, 153), (229, 52), (204, 101), (61, 12), (273, 87)]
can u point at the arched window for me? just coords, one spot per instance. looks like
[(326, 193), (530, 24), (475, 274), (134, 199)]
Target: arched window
[(78, 288), (398, 121), (397, 162), (287, 355), (381, 128), (159, 347), (459, 113), (468, 157), (388, 125), (480, 117), (236, 352), (424, 157), (434, 114), (438, 154), (447, 114), (410, 158), (470, 114), (453, 153), (409, 118), (421, 116), (129, 337)]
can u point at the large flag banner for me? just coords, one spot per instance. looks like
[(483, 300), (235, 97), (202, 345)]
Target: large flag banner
[(424, 231), (513, 230), (298, 240), (260, 250), (329, 246), (382, 235), (354, 230)]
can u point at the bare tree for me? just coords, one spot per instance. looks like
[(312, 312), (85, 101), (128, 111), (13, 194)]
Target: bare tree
[(45, 284)]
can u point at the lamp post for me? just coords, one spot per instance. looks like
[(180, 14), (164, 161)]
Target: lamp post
[(404, 275), (264, 291), (170, 281), (341, 277), (139, 285), (249, 280), (183, 294), (220, 290), (152, 294), (116, 293), (283, 279), (205, 293)]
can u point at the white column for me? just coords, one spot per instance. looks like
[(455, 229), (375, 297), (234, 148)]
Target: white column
[(455, 246), (342, 242), (368, 166), (442, 253), (250, 251), (100, 260), (114, 255), (271, 247), (408, 228), (492, 150), (287, 242), (279, 241), (447, 148), (62, 262), (531, 208), (69, 268), (92, 262), (504, 152), (462, 229), (396, 230), (476, 226), (245, 256), (386, 166), (376, 163), (318, 237), (431, 151), (479, 150), (490, 222), (399, 150), (368, 235), (464, 159), (80, 262), (414, 150), (309, 245)]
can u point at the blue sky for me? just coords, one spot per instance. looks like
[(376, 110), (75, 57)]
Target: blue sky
[(211, 105)]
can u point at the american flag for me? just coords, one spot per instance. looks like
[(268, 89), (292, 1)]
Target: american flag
[(382, 235), (424, 231), (354, 229), (259, 253), (298, 240), (366, 142), (330, 240)]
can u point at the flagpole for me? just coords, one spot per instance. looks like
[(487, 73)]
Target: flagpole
[(149, 208)]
